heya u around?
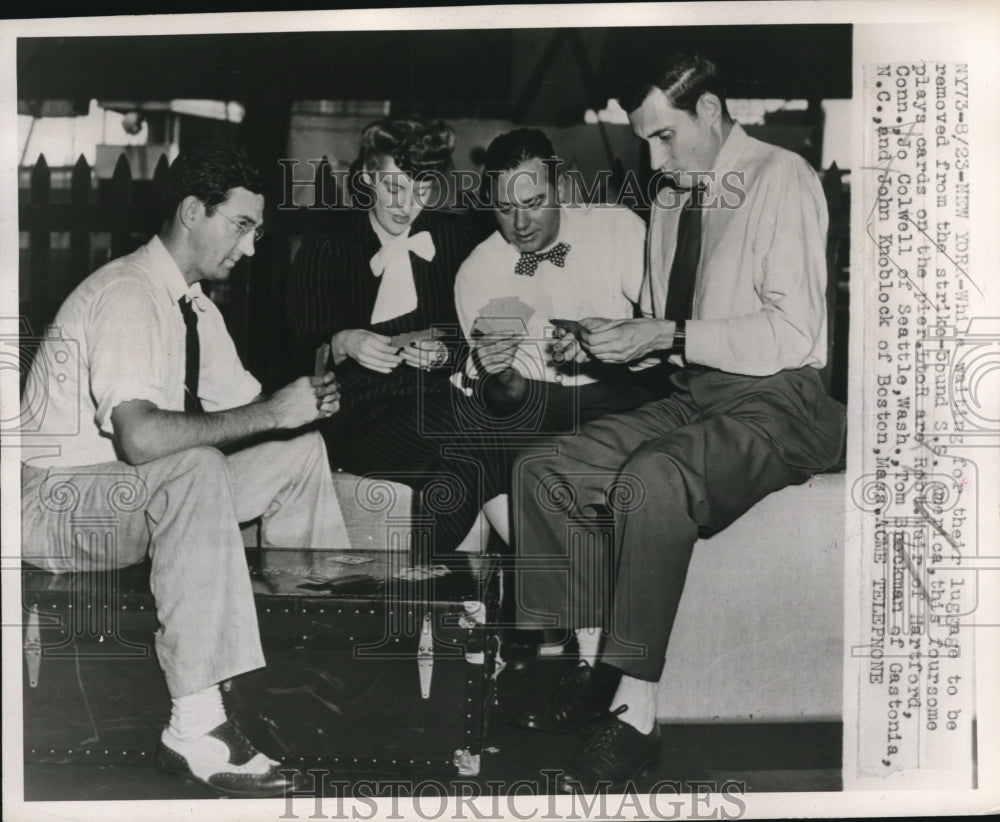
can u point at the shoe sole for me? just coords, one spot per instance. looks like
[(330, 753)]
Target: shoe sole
[(642, 771), (577, 727)]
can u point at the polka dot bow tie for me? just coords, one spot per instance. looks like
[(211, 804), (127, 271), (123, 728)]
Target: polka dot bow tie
[(529, 259)]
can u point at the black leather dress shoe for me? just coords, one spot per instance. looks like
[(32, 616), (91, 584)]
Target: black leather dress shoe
[(224, 759), (519, 656), (583, 695), (614, 755)]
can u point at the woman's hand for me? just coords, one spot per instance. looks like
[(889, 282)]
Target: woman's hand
[(426, 354), (367, 348)]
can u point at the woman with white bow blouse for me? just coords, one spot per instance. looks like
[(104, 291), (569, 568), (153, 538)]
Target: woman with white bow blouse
[(378, 285)]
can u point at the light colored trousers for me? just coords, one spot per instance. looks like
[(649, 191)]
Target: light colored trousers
[(184, 510)]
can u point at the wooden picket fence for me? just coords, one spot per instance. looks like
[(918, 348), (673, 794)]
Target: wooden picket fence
[(124, 209), (68, 237)]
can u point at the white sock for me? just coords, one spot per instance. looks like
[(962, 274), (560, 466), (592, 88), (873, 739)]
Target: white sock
[(195, 715), (475, 541), (589, 640), (640, 698), (551, 649)]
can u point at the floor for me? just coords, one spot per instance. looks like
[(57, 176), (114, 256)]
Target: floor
[(758, 758)]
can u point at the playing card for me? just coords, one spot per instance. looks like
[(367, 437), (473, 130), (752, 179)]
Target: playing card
[(350, 559), (503, 315), (409, 337)]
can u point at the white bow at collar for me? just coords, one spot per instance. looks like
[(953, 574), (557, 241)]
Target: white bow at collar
[(397, 294)]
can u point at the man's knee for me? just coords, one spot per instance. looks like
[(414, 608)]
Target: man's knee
[(648, 468), (201, 464), (535, 465), (203, 457), (304, 450)]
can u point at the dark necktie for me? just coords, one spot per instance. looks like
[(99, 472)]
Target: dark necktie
[(192, 355), (680, 288), (530, 259)]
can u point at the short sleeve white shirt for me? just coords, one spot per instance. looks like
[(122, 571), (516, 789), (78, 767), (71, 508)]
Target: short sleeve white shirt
[(120, 336)]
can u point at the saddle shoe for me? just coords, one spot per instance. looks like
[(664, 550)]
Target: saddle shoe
[(224, 759)]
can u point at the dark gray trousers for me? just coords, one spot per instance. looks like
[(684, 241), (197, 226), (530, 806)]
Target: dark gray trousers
[(605, 521)]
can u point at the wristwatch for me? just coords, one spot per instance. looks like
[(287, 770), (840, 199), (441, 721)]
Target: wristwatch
[(680, 337)]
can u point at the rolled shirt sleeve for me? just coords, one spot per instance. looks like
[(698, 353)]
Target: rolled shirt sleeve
[(136, 348), (126, 356)]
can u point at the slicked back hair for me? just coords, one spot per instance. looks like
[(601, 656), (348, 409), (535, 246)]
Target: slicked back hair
[(513, 148), (683, 78)]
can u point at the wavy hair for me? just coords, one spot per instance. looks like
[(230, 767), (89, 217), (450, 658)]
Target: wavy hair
[(509, 150), (416, 146), (683, 78), (208, 172)]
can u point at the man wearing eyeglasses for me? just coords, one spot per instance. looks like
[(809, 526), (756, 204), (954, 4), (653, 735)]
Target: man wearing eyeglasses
[(146, 407)]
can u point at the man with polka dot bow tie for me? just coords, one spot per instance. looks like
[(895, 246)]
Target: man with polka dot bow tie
[(549, 259)]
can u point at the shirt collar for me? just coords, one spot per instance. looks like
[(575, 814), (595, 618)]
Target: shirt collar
[(165, 268), (729, 156)]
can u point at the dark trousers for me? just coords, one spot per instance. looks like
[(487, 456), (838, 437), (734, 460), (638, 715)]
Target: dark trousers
[(567, 408), (429, 441), (605, 522), (451, 448)]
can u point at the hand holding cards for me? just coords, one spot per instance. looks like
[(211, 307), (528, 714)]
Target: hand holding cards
[(503, 315), (421, 349), (571, 339), (501, 323), (574, 327)]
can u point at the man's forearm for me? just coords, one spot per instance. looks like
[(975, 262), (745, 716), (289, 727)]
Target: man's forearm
[(146, 432)]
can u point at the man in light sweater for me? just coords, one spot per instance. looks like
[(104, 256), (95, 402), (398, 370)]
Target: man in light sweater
[(549, 259)]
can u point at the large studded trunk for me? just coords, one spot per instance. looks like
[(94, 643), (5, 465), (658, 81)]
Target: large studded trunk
[(373, 664)]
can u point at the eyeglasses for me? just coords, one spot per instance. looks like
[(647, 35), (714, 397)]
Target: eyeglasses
[(244, 226)]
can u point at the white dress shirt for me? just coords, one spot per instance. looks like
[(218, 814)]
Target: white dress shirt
[(602, 277), (120, 336), (760, 292)]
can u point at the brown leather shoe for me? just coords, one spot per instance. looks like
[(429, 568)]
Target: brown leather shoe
[(614, 755), (224, 759), (583, 695)]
